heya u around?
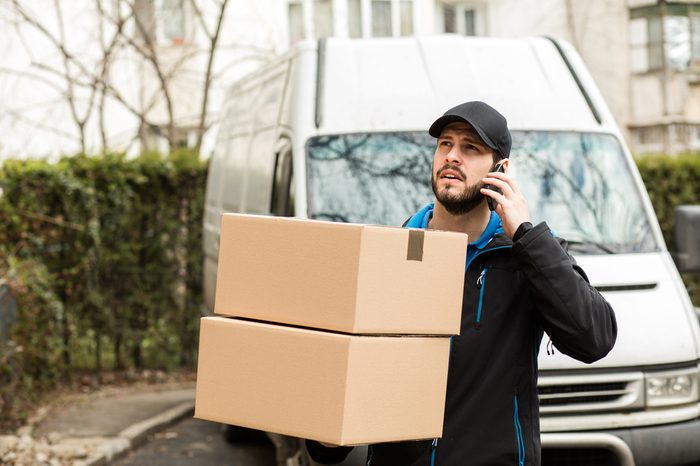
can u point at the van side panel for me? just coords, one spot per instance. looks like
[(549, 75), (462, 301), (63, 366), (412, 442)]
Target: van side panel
[(298, 115), (242, 167)]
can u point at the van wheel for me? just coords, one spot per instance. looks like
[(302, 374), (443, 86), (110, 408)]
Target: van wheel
[(236, 434)]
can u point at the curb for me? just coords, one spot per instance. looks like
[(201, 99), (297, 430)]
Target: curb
[(136, 434)]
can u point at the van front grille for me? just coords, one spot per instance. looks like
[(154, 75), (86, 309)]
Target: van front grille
[(578, 399), (590, 393)]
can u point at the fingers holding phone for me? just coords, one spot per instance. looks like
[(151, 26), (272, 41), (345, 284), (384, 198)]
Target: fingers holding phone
[(498, 168), (503, 194)]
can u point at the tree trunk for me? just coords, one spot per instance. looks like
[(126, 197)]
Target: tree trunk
[(136, 355), (98, 352), (213, 41), (118, 361), (66, 341)]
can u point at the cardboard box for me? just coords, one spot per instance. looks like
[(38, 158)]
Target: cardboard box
[(344, 277), (332, 387)]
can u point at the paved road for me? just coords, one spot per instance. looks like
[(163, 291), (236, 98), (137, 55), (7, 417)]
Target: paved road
[(193, 442)]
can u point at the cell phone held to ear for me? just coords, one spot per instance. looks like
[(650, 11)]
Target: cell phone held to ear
[(498, 168)]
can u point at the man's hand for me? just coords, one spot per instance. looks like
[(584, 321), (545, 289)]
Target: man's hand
[(512, 206), (329, 445)]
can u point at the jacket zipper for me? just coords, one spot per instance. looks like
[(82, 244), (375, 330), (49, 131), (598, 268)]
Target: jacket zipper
[(481, 286), (483, 251), (518, 433)]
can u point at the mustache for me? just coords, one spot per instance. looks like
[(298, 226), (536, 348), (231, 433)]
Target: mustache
[(447, 166)]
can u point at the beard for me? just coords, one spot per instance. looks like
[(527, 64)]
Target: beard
[(457, 202)]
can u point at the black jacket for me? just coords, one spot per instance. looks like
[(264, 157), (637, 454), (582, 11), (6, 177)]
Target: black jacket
[(512, 293)]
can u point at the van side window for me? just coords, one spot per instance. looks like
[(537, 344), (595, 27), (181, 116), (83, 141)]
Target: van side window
[(235, 152), (260, 172), (283, 186)]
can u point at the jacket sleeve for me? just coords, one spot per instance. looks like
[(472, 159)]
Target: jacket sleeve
[(579, 320), (326, 455)]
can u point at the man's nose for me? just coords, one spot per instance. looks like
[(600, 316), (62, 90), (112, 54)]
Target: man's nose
[(452, 156)]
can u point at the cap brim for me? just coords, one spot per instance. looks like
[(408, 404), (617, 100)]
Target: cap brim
[(436, 128)]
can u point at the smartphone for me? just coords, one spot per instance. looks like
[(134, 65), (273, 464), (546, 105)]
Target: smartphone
[(498, 168)]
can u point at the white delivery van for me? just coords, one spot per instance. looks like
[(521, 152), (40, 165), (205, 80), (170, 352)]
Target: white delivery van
[(337, 130)]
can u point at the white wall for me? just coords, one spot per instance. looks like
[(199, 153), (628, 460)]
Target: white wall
[(598, 29)]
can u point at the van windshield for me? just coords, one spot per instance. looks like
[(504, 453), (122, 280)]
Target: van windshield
[(578, 182)]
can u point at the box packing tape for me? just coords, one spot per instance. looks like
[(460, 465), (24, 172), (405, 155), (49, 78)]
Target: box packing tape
[(414, 252)]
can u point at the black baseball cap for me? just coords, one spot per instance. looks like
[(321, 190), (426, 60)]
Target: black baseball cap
[(486, 121)]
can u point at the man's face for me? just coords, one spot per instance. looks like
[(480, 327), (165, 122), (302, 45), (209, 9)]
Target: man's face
[(461, 160)]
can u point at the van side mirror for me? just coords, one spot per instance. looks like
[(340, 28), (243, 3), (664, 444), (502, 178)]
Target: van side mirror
[(687, 256)]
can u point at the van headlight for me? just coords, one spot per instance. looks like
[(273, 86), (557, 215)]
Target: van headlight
[(671, 387)]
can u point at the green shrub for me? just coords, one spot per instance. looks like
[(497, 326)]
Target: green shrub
[(111, 246), (673, 181), (31, 360)]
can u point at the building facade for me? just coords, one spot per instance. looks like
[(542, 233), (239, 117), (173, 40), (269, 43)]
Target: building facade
[(643, 54)]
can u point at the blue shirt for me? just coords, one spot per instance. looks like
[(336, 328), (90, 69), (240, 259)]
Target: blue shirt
[(421, 218)]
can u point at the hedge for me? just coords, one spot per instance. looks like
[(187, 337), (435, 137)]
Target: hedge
[(104, 257), (673, 181)]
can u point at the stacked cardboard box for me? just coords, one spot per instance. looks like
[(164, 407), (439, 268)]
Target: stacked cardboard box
[(333, 332)]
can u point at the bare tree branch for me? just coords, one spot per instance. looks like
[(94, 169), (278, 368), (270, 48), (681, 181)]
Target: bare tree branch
[(107, 51), (152, 57), (200, 18), (19, 116), (41, 28), (58, 221), (140, 114), (68, 59), (70, 91), (214, 39), (32, 76), (85, 82), (238, 61), (105, 64)]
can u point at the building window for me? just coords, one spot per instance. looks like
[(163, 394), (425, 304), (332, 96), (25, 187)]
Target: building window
[(665, 139), (449, 19), (666, 35), (469, 24), (460, 19), (406, 7), (161, 21), (381, 18), (365, 18), (309, 19), (355, 18), (296, 22), (171, 22), (323, 18)]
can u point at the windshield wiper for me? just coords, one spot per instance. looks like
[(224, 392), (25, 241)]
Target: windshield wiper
[(587, 246)]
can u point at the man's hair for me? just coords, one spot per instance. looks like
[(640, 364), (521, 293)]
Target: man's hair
[(496, 156)]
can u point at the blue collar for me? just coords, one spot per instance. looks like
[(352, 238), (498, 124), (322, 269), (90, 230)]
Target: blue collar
[(421, 218), (493, 228)]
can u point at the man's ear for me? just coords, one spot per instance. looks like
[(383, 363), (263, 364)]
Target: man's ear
[(505, 163)]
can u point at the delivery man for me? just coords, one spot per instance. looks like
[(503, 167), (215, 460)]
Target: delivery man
[(519, 281)]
